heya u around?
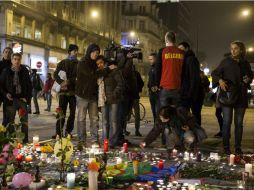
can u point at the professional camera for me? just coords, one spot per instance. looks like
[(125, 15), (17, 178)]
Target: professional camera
[(113, 52)]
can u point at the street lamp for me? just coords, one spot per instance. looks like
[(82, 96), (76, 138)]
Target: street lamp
[(245, 13), (132, 34), (94, 13), (250, 49)]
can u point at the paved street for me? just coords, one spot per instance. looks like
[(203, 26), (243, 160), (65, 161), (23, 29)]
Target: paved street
[(44, 126)]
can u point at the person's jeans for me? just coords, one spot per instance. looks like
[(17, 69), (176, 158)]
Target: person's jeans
[(11, 113), (48, 97), (169, 97), (63, 103), (35, 100), (4, 122), (219, 117), (124, 107), (227, 121), (136, 113), (109, 122), (91, 106), (154, 102)]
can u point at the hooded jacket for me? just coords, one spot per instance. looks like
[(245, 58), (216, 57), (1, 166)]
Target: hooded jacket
[(86, 84)]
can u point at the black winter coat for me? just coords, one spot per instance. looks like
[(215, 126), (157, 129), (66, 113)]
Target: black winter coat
[(70, 67), (7, 85), (190, 87), (114, 86), (233, 72)]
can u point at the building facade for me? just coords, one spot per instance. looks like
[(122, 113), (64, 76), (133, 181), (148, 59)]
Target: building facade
[(43, 30), (142, 26), (177, 17)]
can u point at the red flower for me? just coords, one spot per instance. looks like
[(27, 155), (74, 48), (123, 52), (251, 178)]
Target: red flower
[(58, 110), (22, 112)]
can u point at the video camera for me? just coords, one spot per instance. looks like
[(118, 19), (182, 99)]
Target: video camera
[(113, 52)]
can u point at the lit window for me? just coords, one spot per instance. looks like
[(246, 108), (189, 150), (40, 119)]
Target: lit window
[(63, 42), (37, 35), (16, 27)]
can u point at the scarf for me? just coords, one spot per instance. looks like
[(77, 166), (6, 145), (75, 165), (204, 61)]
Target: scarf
[(16, 81)]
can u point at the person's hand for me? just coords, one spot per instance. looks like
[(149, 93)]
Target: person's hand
[(111, 67), (129, 55), (186, 128), (154, 88), (8, 96), (23, 99), (142, 145), (63, 84), (246, 79), (223, 85)]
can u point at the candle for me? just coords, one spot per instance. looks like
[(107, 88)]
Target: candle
[(125, 147), (186, 156), (70, 180), (35, 141), (135, 167), (231, 159), (118, 160), (191, 187), (174, 152), (29, 158), (161, 164), (191, 155), (105, 145), (19, 157), (248, 168)]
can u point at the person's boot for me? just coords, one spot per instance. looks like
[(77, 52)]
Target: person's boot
[(218, 135), (138, 134), (127, 133)]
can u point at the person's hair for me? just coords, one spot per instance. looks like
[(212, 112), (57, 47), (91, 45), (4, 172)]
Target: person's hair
[(9, 48), (241, 46), (186, 45), (153, 55), (100, 57), (17, 55), (170, 37), (167, 112)]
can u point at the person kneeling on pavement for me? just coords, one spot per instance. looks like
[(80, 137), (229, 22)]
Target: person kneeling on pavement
[(180, 128)]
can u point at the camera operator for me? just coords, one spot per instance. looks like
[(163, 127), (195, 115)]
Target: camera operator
[(125, 65)]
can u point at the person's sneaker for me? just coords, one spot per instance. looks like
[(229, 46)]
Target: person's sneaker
[(238, 152), (138, 134), (36, 113), (227, 152), (127, 133), (46, 110), (218, 135)]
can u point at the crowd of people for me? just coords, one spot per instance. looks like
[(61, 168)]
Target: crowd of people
[(176, 86)]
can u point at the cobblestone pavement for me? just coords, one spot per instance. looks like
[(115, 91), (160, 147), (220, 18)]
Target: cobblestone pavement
[(44, 126)]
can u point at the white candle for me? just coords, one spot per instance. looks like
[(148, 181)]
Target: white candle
[(36, 139), (191, 187), (231, 159), (118, 160), (174, 152), (186, 156), (248, 168), (70, 180)]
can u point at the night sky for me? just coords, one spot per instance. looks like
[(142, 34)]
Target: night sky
[(219, 24)]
